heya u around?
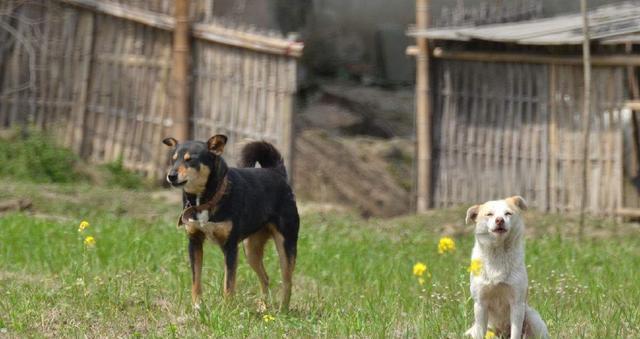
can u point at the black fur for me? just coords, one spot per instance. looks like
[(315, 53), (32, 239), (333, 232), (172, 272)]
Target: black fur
[(263, 153), (255, 197)]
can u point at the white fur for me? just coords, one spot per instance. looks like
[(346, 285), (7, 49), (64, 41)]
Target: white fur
[(500, 291)]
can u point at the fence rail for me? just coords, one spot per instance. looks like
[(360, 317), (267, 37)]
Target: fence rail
[(97, 75)]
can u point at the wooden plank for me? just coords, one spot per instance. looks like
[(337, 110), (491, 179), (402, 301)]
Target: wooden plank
[(78, 112), (180, 71), (490, 56), (628, 212), (288, 135), (126, 95), (552, 141), (423, 112), (210, 32)]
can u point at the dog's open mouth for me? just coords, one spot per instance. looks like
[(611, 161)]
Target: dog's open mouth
[(500, 230), (178, 184)]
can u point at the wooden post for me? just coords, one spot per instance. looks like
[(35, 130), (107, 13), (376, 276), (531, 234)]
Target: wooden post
[(180, 71), (634, 90), (586, 111), (79, 108), (423, 112)]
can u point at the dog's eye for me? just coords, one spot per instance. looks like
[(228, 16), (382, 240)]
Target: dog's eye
[(508, 214), (490, 214)]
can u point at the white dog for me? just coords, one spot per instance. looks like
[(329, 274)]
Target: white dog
[(499, 287)]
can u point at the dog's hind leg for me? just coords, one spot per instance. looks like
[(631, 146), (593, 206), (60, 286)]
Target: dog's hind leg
[(254, 250), (195, 257), (535, 327), (230, 250), (286, 245)]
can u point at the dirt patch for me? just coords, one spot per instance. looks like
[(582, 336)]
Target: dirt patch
[(370, 175), (352, 109)]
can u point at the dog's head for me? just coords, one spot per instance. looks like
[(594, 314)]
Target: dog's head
[(194, 161), (498, 218)]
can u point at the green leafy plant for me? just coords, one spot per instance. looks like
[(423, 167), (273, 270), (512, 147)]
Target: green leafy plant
[(34, 156)]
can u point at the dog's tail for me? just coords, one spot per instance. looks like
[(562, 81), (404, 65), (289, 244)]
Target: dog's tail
[(263, 153)]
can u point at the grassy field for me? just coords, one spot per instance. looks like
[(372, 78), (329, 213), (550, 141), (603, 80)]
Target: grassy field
[(353, 278)]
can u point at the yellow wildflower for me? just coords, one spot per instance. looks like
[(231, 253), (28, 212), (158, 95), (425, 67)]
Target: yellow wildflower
[(489, 335), (419, 269), (268, 317), (84, 224), (446, 244), (89, 241), (475, 267), (421, 281)]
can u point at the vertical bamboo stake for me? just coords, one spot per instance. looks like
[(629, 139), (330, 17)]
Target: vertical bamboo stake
[(635, 95), (180, 71), (79, 109), (423, 111), (586, 119)]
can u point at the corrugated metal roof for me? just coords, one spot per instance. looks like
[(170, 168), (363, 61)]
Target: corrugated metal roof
[(608, 24)]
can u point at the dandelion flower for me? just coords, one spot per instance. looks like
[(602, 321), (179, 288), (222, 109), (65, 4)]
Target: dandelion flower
[(446, 244), (419, 269), (489, 335), (89, 241), (268, 317), (84, 224), (475, 267)]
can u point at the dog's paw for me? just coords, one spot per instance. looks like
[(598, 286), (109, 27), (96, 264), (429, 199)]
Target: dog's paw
[(469, 332)]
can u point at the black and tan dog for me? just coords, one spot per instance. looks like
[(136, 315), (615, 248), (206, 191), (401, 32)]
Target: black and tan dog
[(230, 205)]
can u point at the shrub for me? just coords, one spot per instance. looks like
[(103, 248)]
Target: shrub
[(121, 177), (35, 156)]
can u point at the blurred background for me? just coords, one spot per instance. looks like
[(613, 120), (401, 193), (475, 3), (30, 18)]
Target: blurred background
[(393, 117), (331, 83)]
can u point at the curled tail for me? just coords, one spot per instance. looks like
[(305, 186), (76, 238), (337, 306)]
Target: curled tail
[(263, 153)]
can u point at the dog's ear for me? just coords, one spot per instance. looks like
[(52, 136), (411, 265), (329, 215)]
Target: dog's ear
[(171, 142), (472, 214), (216, 144), (518, 202)]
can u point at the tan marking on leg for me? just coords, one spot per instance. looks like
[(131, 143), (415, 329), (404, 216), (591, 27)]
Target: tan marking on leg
[(286, 267), (254, 250), (230, 279), (196, 284)]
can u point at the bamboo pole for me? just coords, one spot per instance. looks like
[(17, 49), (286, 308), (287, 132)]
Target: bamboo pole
[(180, 71), (635, 94), (423, 112), (493, 56), (586, 116)]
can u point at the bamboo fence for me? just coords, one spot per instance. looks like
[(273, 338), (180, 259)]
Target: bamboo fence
[(97, 74), (521, 133)]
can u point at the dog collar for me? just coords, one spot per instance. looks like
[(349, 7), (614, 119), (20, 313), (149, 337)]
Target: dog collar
[(191, 211)]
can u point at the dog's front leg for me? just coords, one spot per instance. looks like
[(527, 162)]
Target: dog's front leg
[(230, 250), (481, 315), (517, 318), (195, 257)]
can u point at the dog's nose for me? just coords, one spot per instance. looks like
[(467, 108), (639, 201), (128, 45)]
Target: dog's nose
[(499, 221), (172, 177)]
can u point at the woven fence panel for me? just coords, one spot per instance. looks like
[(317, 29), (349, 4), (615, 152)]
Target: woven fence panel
[(502, 129)]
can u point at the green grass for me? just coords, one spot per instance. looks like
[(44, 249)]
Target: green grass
[(33, 156), (353, 277)]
